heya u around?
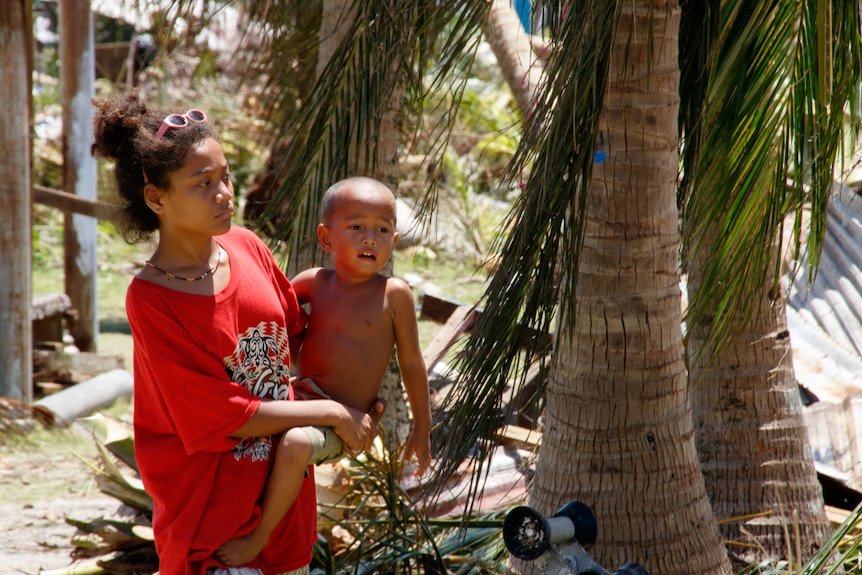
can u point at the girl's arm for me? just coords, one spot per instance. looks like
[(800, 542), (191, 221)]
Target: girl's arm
[(355, 428)]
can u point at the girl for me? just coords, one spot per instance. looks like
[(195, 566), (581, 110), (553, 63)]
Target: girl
[(212, 316)]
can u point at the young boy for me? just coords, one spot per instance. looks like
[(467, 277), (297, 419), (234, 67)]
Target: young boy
[(357, 316)]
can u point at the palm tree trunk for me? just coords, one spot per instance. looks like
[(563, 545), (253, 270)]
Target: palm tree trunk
[(618, 432), (335, 19), (513, 48), (753, 442)]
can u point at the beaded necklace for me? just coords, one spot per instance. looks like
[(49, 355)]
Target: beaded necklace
[(171, 276)]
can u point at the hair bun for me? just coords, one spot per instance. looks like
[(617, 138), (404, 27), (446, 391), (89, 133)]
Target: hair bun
[(116, 124)]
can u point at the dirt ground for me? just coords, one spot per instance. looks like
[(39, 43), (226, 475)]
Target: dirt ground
[(41, 485), (43, 481)]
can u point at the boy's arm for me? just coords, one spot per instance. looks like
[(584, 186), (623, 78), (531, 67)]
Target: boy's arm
[(413, 373), (301, 284), (295, 340)]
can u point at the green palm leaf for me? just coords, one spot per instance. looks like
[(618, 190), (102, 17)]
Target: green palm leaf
[(540, 255), (385, 45), (762, 142)]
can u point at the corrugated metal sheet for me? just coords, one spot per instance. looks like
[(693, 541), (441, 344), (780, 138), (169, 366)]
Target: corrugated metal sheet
[(825, 319), (825, 322)]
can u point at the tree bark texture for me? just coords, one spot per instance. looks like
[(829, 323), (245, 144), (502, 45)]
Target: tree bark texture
[(753, 443), (618, 431), (77, 79)]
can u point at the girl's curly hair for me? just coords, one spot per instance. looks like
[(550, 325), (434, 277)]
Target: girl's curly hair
[(124, 130)]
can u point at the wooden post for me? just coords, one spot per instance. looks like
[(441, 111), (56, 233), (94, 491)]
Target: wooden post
[(16, 347), (77, 81)]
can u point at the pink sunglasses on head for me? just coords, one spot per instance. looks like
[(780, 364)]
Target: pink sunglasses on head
[(181, 121), (177, 121)]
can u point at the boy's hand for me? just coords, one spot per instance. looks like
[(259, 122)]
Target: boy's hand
[(419, 444), (377, 409)]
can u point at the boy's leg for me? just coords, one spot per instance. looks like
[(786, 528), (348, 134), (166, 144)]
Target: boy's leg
[(282, 488), (285, 479)]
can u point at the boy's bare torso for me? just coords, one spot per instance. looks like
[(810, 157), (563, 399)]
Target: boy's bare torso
[(349, 339)]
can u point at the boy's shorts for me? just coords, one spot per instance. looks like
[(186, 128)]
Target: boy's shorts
[(326, 446)]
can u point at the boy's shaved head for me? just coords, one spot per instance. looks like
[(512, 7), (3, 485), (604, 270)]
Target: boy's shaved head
[(358, 185)]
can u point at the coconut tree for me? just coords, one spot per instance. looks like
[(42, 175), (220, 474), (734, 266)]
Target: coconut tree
[(517, 53), (518, 297), (600, 204), (618, 433)]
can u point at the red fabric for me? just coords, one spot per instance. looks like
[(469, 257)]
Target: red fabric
[(202, 364)]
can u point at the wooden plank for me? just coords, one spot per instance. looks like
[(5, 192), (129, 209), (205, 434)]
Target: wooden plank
[(458, 323), (56, 365), (438, 310), (836, 515), (16, 145), (46, 305), (521, 437), (77, 89), (72, 203)]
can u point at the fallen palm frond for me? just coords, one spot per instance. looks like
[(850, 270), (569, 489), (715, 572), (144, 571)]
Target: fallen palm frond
[(115, 445), (841, 553), (112, 545), (374, 526), (377, 527)]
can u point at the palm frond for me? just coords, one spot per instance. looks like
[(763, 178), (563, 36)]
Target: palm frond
[(842, 549), (286, 33), (699, 31), (546, 227), (763, 148), (389, 533), (385, 45)]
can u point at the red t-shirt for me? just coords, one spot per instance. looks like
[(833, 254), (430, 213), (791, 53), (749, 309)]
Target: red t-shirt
[(201, 366)]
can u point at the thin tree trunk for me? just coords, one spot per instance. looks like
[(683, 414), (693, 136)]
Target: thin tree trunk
[(752, 440), (335, 20), (379, 160), (618, 431), (513, 47)]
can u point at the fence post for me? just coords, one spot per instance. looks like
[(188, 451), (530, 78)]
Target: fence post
[(16, 346), (77, 82)]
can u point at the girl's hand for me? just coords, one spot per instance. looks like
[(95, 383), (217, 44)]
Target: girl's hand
[(357, 429)]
